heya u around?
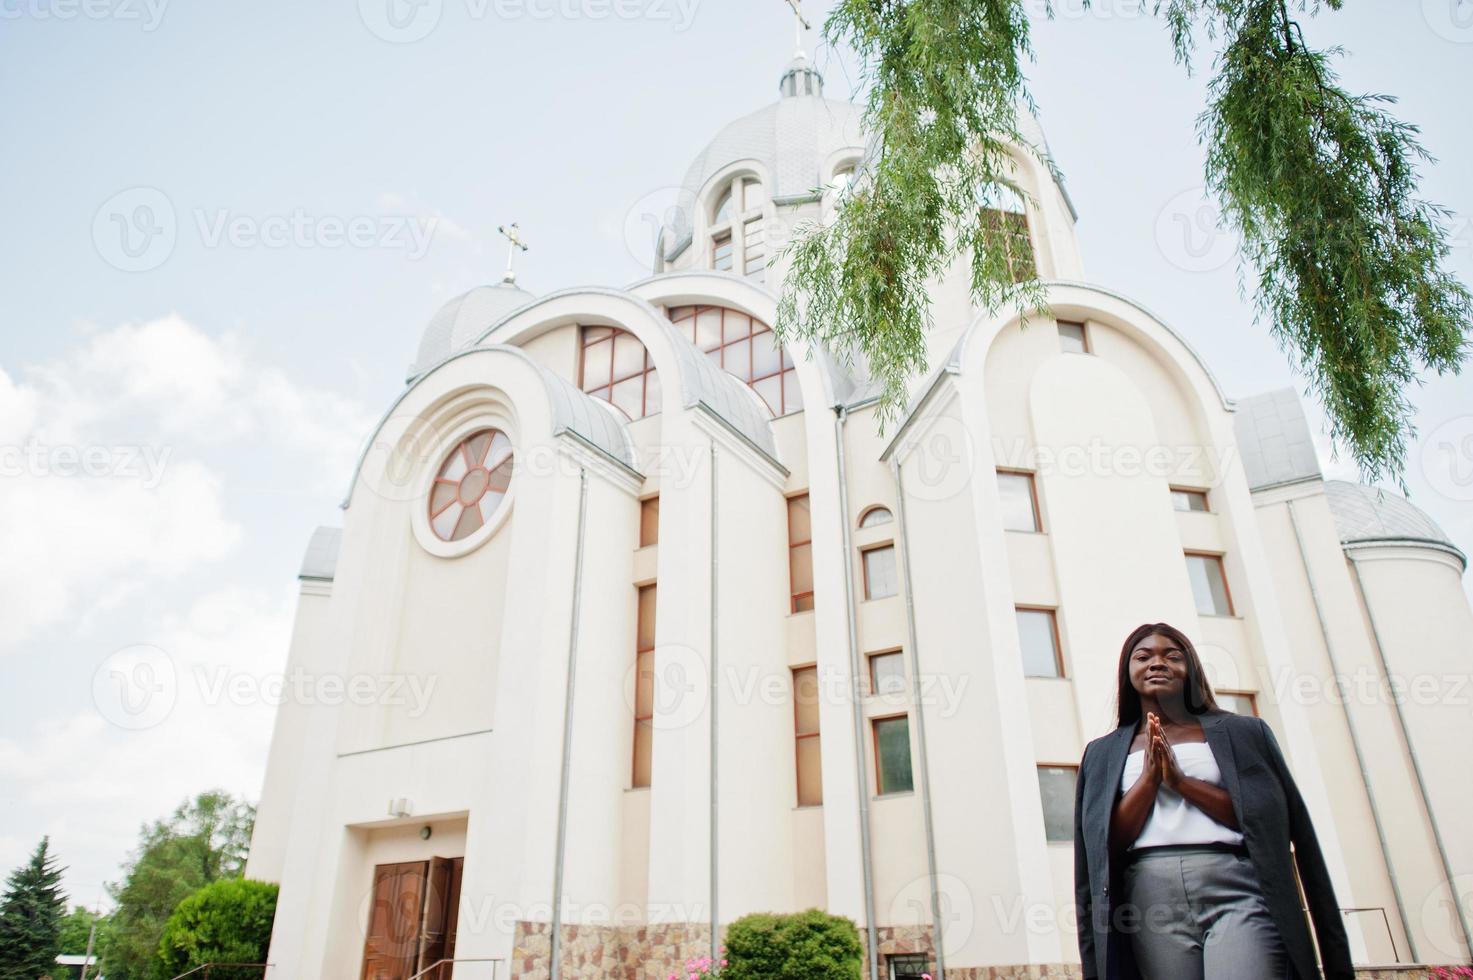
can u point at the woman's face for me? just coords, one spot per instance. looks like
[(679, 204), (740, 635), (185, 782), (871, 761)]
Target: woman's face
[(1158, 668)]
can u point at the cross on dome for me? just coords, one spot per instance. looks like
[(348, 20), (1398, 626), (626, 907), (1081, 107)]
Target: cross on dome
[(513, 234)]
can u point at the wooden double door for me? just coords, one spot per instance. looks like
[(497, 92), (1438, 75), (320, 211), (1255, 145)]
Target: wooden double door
[(412, 919)]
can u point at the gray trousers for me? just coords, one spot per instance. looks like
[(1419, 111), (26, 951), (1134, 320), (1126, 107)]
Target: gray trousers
[(1198, 914)]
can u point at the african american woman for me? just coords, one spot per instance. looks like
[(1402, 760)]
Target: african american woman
[(1183, 820)]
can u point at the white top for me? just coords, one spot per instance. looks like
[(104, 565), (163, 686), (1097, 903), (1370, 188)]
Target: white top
[(1174, 820)]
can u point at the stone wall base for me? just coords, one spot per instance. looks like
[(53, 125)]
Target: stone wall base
[(653, 952)]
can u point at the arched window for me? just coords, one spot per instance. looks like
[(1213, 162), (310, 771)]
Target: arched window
[(1005, 220), (746, 347), (738, 232), (875, 516), (470, 484), (842, 181), (614, 365)]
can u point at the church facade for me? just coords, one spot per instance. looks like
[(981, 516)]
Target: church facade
[(652, 625)]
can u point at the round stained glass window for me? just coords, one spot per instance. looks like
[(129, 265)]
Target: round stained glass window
[(471, 484)]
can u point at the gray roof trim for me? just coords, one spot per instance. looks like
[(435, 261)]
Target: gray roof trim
[(572, 412), (320, 561), (721, 420), (1370, 516), (912, 415)]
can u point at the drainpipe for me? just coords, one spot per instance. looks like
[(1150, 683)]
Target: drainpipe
[(872, 937), (567, 765), (1406, 737), (715, 700), (1360, 759), (915, 700)]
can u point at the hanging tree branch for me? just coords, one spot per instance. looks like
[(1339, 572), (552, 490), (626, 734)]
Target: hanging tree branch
[(1345, 258)]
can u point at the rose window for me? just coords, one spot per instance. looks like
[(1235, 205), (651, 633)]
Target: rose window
[(471, 484)]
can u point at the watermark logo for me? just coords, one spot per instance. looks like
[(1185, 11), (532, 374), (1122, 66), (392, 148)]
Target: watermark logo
[(136, 687), (660, 219), (954, 905), (1441, 915), (135, 230), (1451, 20), (1447, 458), (400, 21), (1190, 233), (148, 13), (941, 461)]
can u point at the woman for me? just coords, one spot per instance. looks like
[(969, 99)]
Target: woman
[(1183, 817)]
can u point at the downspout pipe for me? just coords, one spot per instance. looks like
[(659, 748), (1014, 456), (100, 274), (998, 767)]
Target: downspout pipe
[(861, 772), (567, 763), (1355, 742), (1406, 737), (920, 717), (715, 702)]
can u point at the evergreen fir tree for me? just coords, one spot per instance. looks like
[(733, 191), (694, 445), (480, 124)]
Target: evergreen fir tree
[(31, 913)]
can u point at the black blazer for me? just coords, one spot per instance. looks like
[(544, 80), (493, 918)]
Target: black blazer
[(1271, 815)]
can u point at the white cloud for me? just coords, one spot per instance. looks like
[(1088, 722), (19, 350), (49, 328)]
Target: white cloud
[(114, 462)]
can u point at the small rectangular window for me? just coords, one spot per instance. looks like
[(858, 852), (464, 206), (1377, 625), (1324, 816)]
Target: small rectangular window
[(805, 731), (1038, 637), (892, 755), (1238, 702), (879, 572), (1209, 585), (1072, 338), (887, 673), (800, 553), (909, 967), (1019, 501), (1189, 500), (1056, 788), (721, 254), (649, 522)]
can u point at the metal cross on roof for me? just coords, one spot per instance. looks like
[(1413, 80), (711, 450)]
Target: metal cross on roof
[(513, 235), (800, 24)]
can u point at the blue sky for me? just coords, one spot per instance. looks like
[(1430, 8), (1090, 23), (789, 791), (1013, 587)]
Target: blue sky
[(219, 393)]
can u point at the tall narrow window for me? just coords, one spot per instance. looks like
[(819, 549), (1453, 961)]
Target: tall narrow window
[(1056, 788), (1019, 501), (1005, 222), (644, 688), (616, 367), (892, 755), (879, 572), (1209, 584), (745, 347), (754, 250), (805, 730), (800, 553), (721, 252), (1038, 637), (738, 237), (649, 522), (887, 673)]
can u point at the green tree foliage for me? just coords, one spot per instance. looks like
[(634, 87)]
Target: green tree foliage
[(228, 921), (811, 945), (203, 841), (31, 911), (1346, 260), (75, 929)]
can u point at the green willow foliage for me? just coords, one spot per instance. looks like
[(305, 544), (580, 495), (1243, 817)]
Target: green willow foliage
[(1320, 185)]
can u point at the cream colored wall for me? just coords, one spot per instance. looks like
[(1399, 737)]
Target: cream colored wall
[(1419, 611)]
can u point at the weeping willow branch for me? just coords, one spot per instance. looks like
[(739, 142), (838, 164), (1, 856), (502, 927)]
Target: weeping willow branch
[(1346, 260)]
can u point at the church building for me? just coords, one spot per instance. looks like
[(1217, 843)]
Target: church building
[(644, 622)]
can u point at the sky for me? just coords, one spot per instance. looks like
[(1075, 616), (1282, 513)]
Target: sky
[(226, 224)]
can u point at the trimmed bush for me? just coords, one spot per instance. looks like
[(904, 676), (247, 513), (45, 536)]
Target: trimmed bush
[(227, 921), (811, 945)]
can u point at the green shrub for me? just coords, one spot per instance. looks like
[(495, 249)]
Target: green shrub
[(227, 921), (811, 945)]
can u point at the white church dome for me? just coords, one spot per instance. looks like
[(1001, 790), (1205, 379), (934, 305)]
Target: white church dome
[(460, 322), (1365, 515), (791, 140)]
